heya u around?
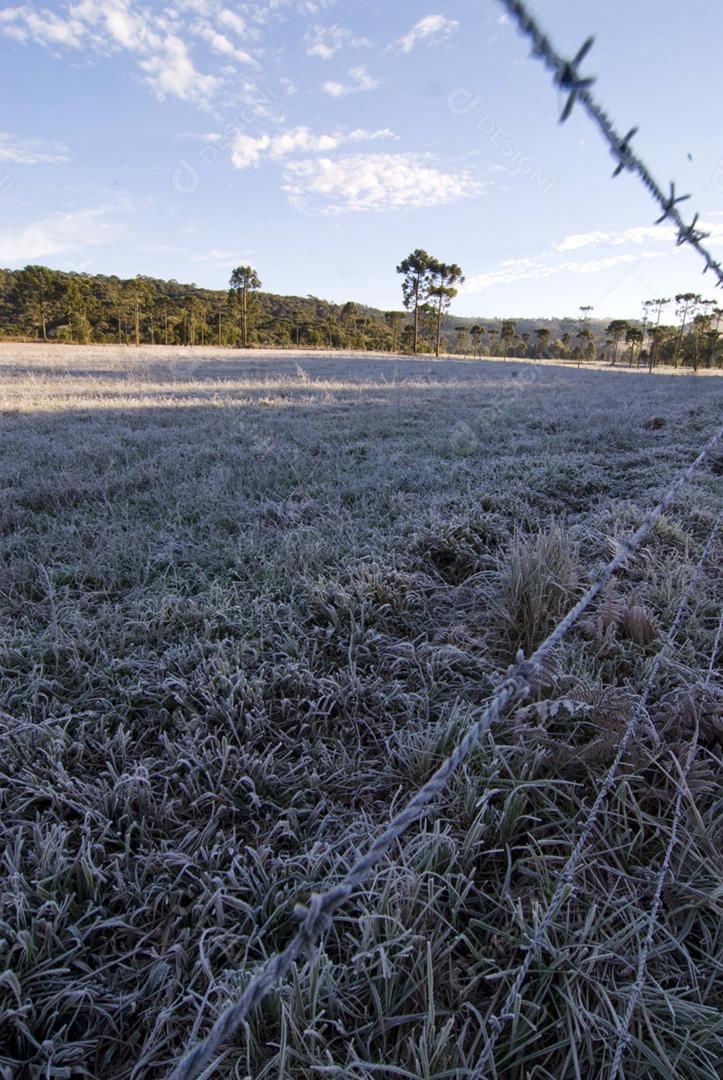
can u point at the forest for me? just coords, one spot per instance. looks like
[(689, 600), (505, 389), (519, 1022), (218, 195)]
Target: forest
[(42, 304)]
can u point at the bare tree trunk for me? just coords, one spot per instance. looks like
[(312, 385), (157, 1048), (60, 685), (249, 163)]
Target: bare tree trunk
[(416, 321), (679, 343)]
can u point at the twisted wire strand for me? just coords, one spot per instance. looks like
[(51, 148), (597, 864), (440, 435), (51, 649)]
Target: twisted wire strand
[(568, 78), (565, 881), (623, 1037), (316, 920)]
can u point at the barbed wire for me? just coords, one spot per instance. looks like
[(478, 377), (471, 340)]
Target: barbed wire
[(565, 881), (317, 918), (623, 1037), (578, 88)]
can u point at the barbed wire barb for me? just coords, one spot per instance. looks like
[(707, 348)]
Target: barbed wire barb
[(521, 679), (624, 152), (671, 203), (579, 89)]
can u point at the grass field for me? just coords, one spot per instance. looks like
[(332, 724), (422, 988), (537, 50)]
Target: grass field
[(247, 603)]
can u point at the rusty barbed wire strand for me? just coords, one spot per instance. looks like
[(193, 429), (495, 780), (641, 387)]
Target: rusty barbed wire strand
[(578, 88), (565, 881), (318, 917)]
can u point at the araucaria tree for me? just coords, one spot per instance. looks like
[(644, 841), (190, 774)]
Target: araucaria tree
[(687, 304), (543, 340), (242, 286), (507, 334), (418, 270), (442, 291), (616, 330)]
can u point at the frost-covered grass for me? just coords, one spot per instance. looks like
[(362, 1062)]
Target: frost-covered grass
[(246, 605)]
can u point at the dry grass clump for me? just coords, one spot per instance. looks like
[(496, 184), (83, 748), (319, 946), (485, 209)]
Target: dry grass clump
[(245, 610), (536, 583)]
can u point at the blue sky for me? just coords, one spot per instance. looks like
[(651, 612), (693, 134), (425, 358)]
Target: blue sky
[(321, 141)]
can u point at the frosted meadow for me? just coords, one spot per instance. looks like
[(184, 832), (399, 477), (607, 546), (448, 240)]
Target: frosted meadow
[(247, 602)]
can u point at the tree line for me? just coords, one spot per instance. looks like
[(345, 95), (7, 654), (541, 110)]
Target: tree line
[(38, 303), (693, 341), (41, 304)]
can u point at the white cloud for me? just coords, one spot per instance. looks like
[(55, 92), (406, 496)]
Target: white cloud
[(159, 41), (325, 42), (171, 73), (221, 45), (592, 266), (247, 150), (429, 29), (30, 151), (361, 82), (232, 21), (215, 257), (543, 266), (581, 240), (615, 249), (642, 234), (24, 24), (58, 234), (374, 182)]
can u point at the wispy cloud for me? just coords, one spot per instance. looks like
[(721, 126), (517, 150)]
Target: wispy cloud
[(31, 151), (360, 82), (325, 42), (67, 234), (375, 182), (215, 257), (429, 30), (221, 44), (641, 234), (171, 73), (612, 249), (247, 150), (160, 42), (512, 271)]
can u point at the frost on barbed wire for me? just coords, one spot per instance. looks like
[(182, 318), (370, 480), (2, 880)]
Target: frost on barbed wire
[(578, 88)]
